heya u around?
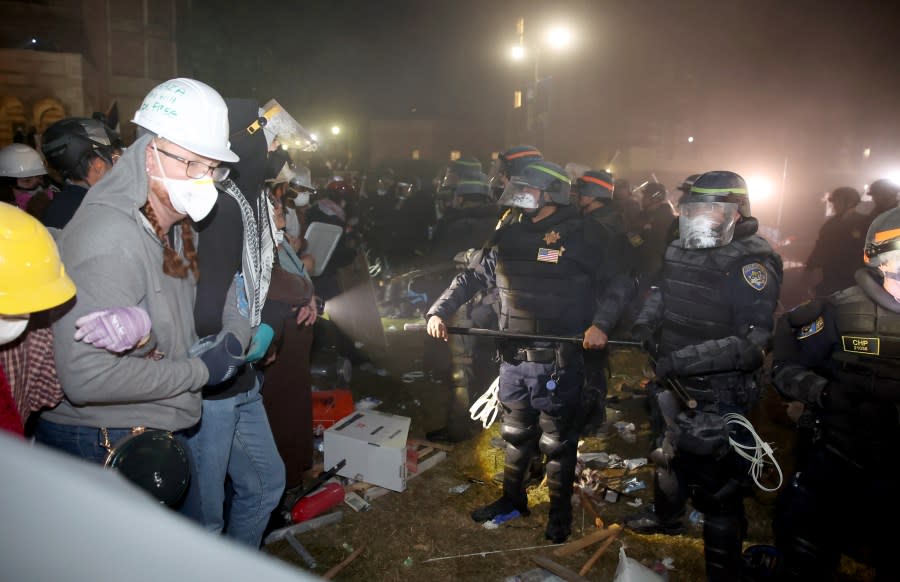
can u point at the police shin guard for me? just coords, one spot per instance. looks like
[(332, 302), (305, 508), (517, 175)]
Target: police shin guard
[(561, 456), (521, 447), (722, 537)]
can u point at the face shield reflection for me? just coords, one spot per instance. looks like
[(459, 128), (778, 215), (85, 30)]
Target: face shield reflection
[(282, 126), (449, 180), (706, 225), (520, 195)]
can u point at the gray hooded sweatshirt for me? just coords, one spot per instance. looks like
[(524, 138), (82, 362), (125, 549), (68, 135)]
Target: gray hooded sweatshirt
[(116, 260)]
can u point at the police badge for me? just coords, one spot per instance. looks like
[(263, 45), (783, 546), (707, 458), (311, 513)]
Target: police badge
[(755, 275)]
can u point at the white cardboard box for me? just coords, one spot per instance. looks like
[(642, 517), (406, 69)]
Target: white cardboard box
[(374, 446)]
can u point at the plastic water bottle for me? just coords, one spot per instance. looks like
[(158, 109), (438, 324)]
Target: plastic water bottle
[(312, 505)]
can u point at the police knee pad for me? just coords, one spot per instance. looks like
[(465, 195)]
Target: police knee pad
[(517, 435), (553, 446)]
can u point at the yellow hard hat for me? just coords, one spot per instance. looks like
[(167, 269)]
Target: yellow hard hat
[(32, 277)]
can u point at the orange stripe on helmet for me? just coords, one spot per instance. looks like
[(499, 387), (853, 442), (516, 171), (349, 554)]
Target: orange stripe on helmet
[(518, 155), (596, 181), (886, 235)]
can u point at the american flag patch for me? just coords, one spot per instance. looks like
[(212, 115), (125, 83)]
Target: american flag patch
[(548, 255)]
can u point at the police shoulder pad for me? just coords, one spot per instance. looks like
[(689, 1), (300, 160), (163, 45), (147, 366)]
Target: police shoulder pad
[(806, 313), (811, 328)]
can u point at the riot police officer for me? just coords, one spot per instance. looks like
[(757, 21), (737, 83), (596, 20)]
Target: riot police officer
[(713, 312), (605, 224), (839, 357), (544, 266), (511, 163), (467, 222)]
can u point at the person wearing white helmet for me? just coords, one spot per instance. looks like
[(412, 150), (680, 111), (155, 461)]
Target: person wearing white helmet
[(131, 243), (23, 171)]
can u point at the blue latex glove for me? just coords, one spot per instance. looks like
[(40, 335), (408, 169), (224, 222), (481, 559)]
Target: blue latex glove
[(260, 343), (223, 358)]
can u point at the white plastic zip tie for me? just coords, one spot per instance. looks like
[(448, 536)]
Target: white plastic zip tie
[(487, 406), (760, 450)]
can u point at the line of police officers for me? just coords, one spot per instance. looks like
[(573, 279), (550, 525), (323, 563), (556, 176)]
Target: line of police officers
[(707, 323)]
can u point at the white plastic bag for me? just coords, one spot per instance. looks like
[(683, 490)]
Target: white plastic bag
[(630, 570)]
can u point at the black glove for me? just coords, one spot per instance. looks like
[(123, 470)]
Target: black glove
[(838, 397), (223, 359), (664, 368), (644, 334)]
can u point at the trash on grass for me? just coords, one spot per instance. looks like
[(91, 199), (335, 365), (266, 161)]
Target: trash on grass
[(460, 489), (632, 464), (501, 519), (367, 403)]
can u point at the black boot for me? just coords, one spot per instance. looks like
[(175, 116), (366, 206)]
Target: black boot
[(722, 537), (518, 461)]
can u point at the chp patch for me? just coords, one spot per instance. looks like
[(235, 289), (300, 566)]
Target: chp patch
[(811, 329), (755, 275), (861, 345)]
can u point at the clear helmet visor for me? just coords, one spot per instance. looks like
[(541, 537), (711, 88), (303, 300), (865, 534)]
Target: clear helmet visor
[(449, 180), (706, 225), (282, 126), (520, 195), (496, 178)]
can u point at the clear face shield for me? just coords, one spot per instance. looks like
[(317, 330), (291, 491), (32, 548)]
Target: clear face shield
[(706, 225), (889, 265), (282, 129), (520, 195), (449, 181), (496, 177)]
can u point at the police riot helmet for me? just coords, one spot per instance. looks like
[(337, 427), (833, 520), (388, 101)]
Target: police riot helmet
[(652, 192), (474, 189), (511, 163), (846, 196), (685, 185), (709, 212), (720, 186), (882, 237), (70, 144), (542, 176), (595, 184), (463, 169), (884, 192)]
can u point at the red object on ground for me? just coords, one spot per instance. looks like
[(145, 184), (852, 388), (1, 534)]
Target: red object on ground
[(322, 500), (329, 406)]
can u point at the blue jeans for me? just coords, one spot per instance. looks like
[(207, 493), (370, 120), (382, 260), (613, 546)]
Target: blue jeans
[(234, 440)]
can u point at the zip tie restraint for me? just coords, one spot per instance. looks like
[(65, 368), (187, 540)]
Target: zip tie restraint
[(487, 406), (760, 450)]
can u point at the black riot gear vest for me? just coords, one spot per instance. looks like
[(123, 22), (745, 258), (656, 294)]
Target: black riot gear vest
[(698, 305), (868, 336), (543, 275), (867, 360)]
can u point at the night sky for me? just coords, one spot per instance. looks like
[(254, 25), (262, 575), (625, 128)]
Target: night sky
[(380, 58), (757, 81)]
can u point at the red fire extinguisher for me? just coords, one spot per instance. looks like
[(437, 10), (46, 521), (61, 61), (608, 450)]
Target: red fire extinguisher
[(322, 500)]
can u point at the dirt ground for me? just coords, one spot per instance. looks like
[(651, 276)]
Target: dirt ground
[(425, 533)]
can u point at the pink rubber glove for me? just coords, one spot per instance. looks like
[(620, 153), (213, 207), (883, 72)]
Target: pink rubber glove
[(118, 329)]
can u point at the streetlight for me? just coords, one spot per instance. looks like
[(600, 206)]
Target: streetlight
[(335, 130), (557, 39)]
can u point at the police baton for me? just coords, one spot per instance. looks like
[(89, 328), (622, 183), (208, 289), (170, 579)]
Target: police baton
[(574, 339)]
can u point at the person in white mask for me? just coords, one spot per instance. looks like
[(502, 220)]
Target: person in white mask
[(132, 243)]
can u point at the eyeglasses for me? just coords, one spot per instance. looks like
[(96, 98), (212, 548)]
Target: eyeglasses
[(196, 170)]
